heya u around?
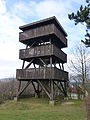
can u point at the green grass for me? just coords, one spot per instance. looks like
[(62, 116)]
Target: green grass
[(39, 109)]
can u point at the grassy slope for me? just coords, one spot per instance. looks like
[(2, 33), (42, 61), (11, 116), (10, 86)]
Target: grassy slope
[(38, 109)]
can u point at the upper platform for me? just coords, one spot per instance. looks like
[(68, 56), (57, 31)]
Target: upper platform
[(44, 52), (43, 30)]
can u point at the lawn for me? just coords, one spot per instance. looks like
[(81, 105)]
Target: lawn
[(39, 109)]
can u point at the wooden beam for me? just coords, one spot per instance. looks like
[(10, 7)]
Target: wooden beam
[(62, 66), (50, 40), (34, 65), (55, 64), (43, 87), (36, 90), (20, 92), (52, 84), (46, 85), (65, 84), (24, 60), (23, 64), (26, 46), (51, 61), (65, 93), (34, 87), (59, 65), (58, 87), (33, 44), (19, 85), (42, 42), (29, 64), (52, 90), (42, 61)]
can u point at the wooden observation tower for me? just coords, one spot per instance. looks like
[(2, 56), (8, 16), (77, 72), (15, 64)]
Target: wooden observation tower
[(44, 40)]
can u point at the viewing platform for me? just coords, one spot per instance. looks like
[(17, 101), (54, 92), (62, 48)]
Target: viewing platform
[(44, 51), (43, 30), (41, 74)]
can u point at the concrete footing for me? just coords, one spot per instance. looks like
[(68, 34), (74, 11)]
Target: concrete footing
[(15, 98), (65, 98), (52, 102)]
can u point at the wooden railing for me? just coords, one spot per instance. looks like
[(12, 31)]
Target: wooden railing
[(41, 73), (42, 31), (41, 51)]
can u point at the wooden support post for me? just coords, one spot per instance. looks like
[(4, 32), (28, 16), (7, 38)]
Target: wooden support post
[(51, 102), (26, 46), (23, 64), (42, 61), (52, 90), (19, 85), (39, 67), (65, 94), (50, 61), (55, 64), (65, 84), (59, 66), (52, 84), (20, 92), (29, 64), (36, 91), (47, 86), (62, 66), (34, 65), (34, 87), (33, 44), (43, 42), (50, 40), (58, 87), (43, 87)]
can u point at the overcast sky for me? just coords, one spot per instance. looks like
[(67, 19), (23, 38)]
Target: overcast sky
[(15, 13)]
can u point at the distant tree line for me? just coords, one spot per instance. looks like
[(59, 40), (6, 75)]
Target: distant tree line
[(8, 89)]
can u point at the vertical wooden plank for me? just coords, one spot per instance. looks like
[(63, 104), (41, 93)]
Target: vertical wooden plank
[(23, 64), (50, 61), (52, 90), (19, 86), (52, 85), (59, 65), (62, 66), (43, 87)]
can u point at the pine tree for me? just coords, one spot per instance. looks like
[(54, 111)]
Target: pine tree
[(83, 16)]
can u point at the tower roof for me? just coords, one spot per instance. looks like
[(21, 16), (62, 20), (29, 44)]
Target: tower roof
[(49, 20)]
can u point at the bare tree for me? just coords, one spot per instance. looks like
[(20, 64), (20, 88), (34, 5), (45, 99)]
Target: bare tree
[(8, 89), (79, 64)]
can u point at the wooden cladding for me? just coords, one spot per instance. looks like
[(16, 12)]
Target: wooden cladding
[(41, 51), (44, 40), (43, 31), (41, 73)]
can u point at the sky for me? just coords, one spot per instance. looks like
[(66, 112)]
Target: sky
[(15, 13)]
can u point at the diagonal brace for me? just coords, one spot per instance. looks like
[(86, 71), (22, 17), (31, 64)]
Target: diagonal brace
[(58, 87), (20, 92), (43, 87)]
